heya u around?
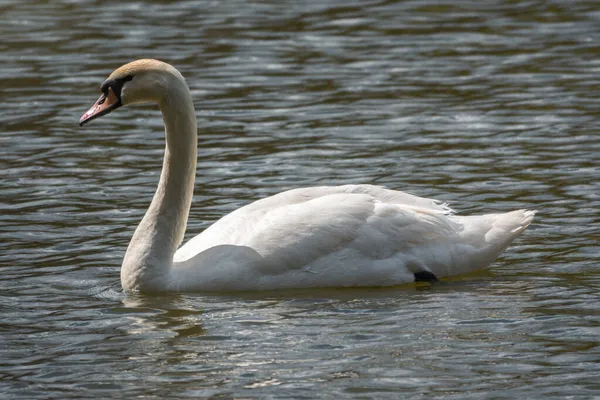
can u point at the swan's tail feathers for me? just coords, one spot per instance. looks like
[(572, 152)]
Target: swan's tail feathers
[(526, 219), (495, 229), (506, 227), (485, 237)]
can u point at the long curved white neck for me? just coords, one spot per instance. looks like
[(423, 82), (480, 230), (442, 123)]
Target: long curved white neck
[(149, 256)]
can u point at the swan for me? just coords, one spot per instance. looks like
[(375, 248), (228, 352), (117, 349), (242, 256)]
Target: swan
[(328, 236)]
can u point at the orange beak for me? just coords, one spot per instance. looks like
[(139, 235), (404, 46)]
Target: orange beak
[(105, 104)]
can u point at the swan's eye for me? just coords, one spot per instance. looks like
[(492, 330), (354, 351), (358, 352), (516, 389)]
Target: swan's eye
[(115, 84)]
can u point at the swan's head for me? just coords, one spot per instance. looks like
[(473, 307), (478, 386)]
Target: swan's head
[(140, 81)]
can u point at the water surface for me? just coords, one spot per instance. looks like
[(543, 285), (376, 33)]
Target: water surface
[(490, 107)]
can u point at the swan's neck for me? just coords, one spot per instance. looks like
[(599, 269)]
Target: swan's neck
[(149, 256)]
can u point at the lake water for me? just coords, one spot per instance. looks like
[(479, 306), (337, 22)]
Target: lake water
[(491, 106)]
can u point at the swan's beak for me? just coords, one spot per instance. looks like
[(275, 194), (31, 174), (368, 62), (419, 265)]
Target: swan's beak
[(105, 104)]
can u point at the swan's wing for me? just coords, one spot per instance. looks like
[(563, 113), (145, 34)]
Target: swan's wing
[(236, 225), (297, 227), (356, 224)]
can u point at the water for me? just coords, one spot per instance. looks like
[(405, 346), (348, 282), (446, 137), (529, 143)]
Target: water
[(491, 107)]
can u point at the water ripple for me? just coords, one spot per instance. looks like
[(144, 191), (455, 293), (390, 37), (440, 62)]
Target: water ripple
[(490, 106)]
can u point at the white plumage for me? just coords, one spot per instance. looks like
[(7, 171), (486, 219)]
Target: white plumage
[(353, 235)]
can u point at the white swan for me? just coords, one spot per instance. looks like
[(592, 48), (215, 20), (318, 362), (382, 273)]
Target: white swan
[(354, 235)]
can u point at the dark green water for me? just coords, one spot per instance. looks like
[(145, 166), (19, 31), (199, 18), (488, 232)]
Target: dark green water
[(491, 106)]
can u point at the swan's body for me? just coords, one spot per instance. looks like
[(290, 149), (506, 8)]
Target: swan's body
[(355, 235)]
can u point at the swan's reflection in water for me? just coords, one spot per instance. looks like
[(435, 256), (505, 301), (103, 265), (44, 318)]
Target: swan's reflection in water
[(163, 314)]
